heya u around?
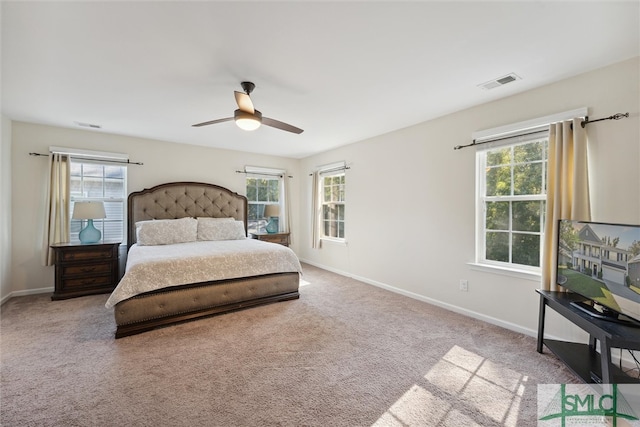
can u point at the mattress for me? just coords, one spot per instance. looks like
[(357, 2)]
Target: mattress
[(150, 268)]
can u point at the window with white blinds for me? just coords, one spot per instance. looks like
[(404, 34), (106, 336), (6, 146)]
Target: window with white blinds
[(93, 180)]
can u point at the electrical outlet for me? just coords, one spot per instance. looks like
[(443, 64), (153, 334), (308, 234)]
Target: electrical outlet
[(464, 285)]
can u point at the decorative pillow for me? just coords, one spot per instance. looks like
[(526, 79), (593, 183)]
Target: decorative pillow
[(220, 230), (166, 231), (204, 225), (204, 219)]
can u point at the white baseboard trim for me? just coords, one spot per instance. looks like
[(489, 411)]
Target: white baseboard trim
[(25, 293), (469, 313)]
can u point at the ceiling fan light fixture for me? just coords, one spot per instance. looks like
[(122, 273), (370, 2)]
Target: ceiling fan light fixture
[(247, 117), (247, 121)]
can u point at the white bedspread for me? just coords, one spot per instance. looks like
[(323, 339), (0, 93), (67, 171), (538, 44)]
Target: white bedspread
[(155, 267)]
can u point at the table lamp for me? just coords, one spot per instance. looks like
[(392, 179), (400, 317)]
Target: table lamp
[(89, 211), (272, 212)]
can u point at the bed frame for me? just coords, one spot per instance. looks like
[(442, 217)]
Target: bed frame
[(187, 302)]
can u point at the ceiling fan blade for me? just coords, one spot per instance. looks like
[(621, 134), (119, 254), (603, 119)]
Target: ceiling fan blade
[(213, 122), (280, 125), (244, 102)]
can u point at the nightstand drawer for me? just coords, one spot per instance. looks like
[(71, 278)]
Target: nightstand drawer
[(279, 238), (87, 269), (87, 281), (86, 255)]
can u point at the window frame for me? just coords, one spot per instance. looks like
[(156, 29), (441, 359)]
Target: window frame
[(517, 139), (331, 173), (104, 159), (269, 174)]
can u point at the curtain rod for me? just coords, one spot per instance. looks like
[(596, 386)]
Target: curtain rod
[(264, 173), (340, 168), (457, 147), (616, 116), (127, 162), (583, 123)]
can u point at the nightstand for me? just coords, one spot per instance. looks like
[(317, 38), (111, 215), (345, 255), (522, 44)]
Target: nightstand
[(281, 238), (85, 269)]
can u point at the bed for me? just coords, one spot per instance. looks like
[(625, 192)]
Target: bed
[(270, 274)]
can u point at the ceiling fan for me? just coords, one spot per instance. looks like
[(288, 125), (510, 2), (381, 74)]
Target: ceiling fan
[(247, 117)]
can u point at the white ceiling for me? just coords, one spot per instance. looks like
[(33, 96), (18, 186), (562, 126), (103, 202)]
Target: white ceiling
[(342, 71)]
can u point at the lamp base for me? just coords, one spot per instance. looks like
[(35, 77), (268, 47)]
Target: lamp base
[(89, 234), (273, 226)]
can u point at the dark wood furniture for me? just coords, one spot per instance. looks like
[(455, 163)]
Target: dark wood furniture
[(280, 238), (85, 269), (583, 359), (197, 300)]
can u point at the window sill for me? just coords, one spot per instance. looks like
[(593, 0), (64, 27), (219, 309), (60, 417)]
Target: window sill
[(511, 272), (342, 242)]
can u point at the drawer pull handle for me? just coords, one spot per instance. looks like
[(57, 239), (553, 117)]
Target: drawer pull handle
[(88, 269), (90, 282)]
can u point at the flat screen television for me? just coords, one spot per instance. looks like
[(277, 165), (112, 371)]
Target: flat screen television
[(601, 262)]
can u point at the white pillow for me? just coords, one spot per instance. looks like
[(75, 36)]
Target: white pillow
[(205, 219), (204, 225), (166, 231), (220, 230)]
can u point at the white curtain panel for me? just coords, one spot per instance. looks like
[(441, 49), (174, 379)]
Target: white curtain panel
[(285, 216), (567, 189), (56, 227), (316, 210)]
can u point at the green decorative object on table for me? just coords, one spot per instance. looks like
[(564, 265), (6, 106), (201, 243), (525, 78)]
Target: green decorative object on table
[(272, 212), (89, 211)]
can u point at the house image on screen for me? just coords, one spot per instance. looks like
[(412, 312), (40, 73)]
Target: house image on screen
[(601, 259), (634, 271)]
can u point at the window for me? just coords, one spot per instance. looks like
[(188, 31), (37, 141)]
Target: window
[(92, 180), (265, 187), (333, 204), (511, 201)]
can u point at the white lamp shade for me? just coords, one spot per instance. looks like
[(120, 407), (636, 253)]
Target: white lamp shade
[(88, 210), (271, 210)]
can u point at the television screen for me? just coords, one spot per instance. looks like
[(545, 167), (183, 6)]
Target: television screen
[(601, 262)]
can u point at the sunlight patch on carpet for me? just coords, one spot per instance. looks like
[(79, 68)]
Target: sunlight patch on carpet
[(417, 407), (304, 282), (484, 390)]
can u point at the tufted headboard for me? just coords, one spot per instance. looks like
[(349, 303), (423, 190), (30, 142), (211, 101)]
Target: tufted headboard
[(183, 199)]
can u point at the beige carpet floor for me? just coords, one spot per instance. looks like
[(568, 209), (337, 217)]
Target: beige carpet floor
[(344, 354)]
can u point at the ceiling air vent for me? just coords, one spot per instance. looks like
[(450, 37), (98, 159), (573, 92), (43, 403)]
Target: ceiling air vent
[(88, 125), (501, 81)]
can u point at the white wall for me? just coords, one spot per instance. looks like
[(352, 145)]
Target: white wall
[(410, 197), (163, 162), (5, 208), (411, 207)]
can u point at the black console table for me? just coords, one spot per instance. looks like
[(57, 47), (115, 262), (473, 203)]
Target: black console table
[(583, 359)]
